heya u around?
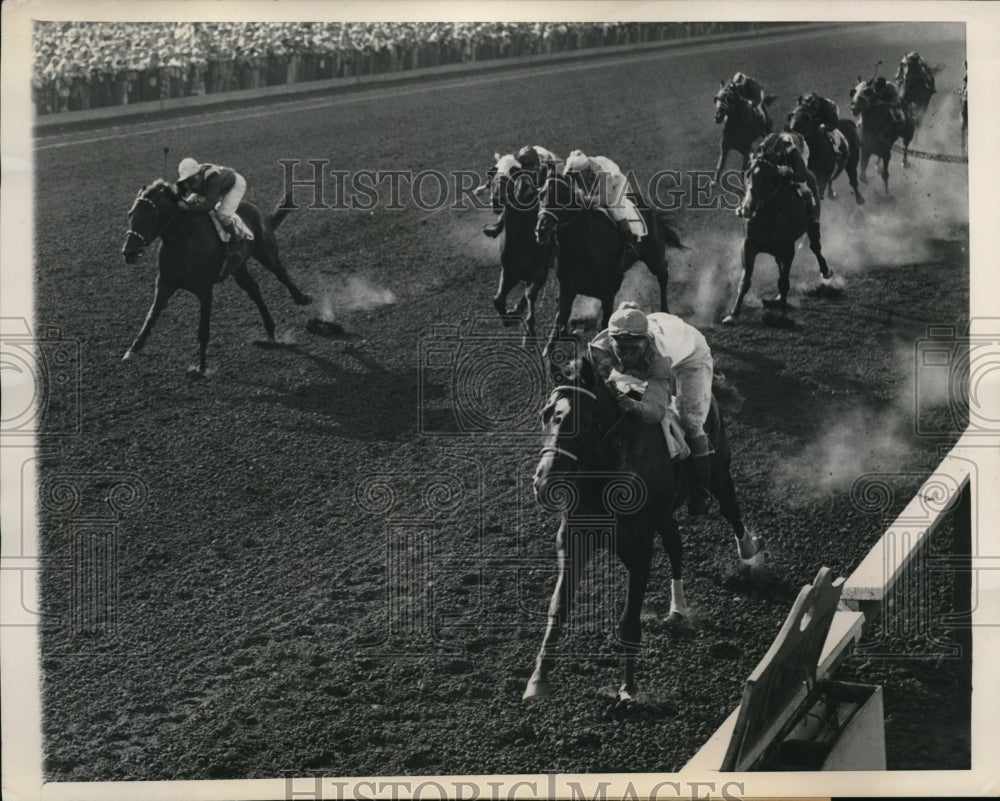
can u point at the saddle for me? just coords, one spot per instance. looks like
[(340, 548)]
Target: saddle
[(224, 234), (673, 433)]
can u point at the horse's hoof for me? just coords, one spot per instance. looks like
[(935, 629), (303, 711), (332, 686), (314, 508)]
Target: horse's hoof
[(303, 299), (860, 200), (537, 688), (195, 373), (626, 697), (129, 355), (265, 343), (827, 274), (729, 319)]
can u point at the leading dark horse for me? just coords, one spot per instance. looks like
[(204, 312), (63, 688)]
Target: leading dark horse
[(522, 257), (878, 130), (191, 257), (741, 126), (826, 162), (776, 218), (589, 250), (613, 481)]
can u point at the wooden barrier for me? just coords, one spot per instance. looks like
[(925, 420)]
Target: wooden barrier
[(862, 596)]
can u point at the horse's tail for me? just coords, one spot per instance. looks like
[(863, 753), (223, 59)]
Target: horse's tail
[(668, 231), (282, 210)]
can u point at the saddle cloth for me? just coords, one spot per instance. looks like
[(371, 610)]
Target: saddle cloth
[(670, 425), (839, 142), (224, 234)]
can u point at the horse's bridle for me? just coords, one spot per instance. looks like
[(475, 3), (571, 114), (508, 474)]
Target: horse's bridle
[(553, 450), (773, 166), (156, 210)]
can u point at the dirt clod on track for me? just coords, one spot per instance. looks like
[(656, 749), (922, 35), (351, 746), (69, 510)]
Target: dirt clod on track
[(327, 556)]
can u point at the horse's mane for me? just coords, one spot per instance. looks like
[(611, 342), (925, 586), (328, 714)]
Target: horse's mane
[(160, 184)]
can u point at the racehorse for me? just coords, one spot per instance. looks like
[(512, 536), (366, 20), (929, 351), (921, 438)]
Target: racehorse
[(742, 127), (826, 161), (878, 130), (589, 250), (775, 219), (191, 257), (612, 479), (915, 93), (522, 258)]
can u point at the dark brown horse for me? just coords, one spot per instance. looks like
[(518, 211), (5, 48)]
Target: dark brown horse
[(613, 481), (741, 126), (776, 218), (826, 161), (191, 257), (878, 130), (589, 250), (514, 192)]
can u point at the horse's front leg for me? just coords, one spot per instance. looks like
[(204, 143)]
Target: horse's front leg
[(865, 156), (570, 567), (815, 245), (531, 297), (161, 295), (205, 317), (885, 172), (566, 298), (670, 536), (637, 563), (723, 152), (748, 257), (500, 299), (246, 281)]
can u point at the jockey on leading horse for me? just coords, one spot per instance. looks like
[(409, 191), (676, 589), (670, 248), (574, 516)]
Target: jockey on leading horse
[(750, 89), (540, 161), (788, 152), (666, 353), (598, 180), (914, 74), (207, 187)]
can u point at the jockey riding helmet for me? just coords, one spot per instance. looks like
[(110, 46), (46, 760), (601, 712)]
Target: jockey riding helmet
[(628, 322), (187, 168), (528, 157), (575, 162)]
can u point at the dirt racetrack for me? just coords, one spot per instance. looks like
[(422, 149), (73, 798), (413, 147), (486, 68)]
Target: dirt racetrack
[(316, 571)]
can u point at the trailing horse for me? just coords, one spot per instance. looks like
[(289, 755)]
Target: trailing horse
[(589, 250), (741, 126), (776, 218), (827, 160), (192, 256), (878, 130), (522, 259), (615, 485)]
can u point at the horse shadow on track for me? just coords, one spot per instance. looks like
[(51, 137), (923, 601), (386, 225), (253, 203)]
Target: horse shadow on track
[(373, 403)]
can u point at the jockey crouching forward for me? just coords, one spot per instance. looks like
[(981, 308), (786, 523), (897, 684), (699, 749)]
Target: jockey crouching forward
[(887, 95), (542, 163), (749, 88), (207, 187), (659, 348), (598, 181), (913, 70), (787, 151), (823, 110)]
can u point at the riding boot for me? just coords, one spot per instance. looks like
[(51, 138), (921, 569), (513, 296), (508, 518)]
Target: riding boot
[(700, 500), (492, 230)]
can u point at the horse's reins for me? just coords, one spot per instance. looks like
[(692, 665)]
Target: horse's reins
[(555, 450), (156, 210)]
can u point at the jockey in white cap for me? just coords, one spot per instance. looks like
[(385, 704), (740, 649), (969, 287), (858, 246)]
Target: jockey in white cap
[(665, 352), (207, 187), (599, 180), (541, 161)]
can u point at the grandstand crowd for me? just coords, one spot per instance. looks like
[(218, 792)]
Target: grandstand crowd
[(82, 65)]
